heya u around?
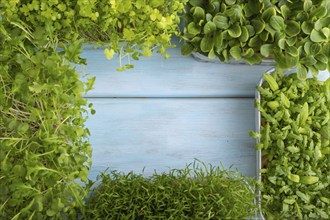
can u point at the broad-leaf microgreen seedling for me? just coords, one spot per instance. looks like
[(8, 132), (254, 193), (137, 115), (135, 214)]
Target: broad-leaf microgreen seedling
[(293, 33)]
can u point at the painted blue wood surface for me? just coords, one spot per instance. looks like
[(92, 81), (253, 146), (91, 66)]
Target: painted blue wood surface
[(177, 76), (164, 113), (161, 133)]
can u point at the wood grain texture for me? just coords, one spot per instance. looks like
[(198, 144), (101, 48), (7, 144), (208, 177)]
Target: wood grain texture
[(161, 133), (177, 76)]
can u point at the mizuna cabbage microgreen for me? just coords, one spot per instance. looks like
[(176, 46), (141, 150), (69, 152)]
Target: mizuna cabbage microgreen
[(195, 192), (294, 33), (44, 145), (294, 141)]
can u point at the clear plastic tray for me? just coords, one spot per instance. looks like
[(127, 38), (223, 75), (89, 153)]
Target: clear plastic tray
[(202, 58), (323, 75)]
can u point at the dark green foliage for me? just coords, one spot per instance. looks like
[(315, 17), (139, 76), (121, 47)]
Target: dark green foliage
[(285, 31), (294, 139), (195, 192)]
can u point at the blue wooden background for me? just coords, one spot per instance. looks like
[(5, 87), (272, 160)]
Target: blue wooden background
[(164, 113)]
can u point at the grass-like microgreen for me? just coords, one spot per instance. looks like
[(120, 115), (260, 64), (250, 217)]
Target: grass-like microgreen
[(294, 33), (195, 192), (294, 140)]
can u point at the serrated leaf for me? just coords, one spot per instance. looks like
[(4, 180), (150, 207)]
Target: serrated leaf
[(221, 22), (209, 27)]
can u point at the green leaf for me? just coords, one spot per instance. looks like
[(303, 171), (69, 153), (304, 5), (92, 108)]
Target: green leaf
[(199, 14), (308, 61), (266, 50), (277, 22), (285, 11), (308, 5), (245, 34), (317, 36), (209, 27), (207, 44), (271, 82), (319, 12), (218, 39), (187, 49), (248, 53), (268, 13), (253, 59), (322, 58), (235, 31), (221, 22), (292, 28), (258, 25), (235, 52), (301, 71), (230, 2), (307, 27), (193, 28), (196, 3), (293, 51), (109, 53)]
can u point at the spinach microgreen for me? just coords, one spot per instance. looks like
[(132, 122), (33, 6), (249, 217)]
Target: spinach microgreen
[(295, 142), (293, 33), (195, 192)]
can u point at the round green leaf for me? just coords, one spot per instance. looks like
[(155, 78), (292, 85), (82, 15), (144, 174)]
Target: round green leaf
[(207, 44), (264, 35), (218, 39), (193, 28), (209, 27), (266, 50), (319, 12), (245, 34), (259, 25), (187, 49), (268, 13), (198, 14), (248, 53), (196, 2), (322, 58), (301, 71), (235, 52), (315, 49), (285, 11), (230, 2), (209, 17), (277, 22), (253, 59), (255, 41), (318, 36), (307, 27), (326, 50), (221, 22), (292, 28), (293, 51), (308, 61), (308, 5), (235, 30)]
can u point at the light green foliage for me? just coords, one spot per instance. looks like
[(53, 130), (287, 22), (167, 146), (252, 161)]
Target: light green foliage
[(195, 192), (294, 139), (44, 145), (134, 28), (251, 30)]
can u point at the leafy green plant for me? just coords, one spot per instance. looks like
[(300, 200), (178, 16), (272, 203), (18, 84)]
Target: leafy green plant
[(44, 146), (195, 192), (134, 28), (295, 143), (294, 33)]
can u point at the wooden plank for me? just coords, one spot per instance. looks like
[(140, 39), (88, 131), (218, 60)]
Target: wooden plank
[(177, 76), (161, 133)]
